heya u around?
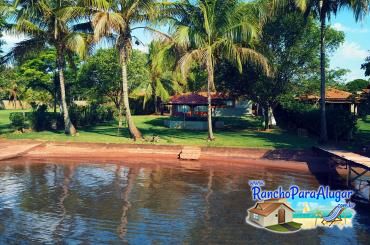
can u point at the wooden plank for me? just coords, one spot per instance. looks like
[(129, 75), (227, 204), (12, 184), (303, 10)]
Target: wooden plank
[(348, 156)]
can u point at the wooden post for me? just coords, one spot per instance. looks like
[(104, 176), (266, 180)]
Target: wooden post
[(348, 175)]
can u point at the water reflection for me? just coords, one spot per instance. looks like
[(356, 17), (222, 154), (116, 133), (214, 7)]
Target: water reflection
[(108, 203)]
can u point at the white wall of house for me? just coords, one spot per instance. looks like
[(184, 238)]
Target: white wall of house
[(271, 219), (241, 108), (256, 218)]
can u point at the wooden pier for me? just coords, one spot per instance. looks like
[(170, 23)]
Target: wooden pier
[(351, 160)]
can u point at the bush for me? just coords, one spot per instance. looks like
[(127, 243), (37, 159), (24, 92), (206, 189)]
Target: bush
[(340, 123), (18, 120), (40, 119), (91, 115)]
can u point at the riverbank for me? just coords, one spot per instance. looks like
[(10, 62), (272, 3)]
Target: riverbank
[(74, 152)]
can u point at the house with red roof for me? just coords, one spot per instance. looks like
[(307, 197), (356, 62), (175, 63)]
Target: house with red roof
[(335, 99), (196, 105), (271, 212)]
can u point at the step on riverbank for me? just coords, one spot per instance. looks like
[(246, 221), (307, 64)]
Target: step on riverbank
[(9, 150), (190, 153)]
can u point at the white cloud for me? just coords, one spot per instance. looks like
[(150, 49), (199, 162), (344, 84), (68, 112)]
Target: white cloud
[(11, 40), (351, 51), (340, 27), (350, 55)]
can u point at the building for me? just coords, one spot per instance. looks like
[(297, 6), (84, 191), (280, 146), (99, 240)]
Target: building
[(271, 212), (335, 99), (196, 105)]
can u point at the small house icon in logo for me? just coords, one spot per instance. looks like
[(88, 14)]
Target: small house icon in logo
[(271, 212)]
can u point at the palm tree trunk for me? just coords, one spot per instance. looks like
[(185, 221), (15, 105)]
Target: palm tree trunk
[(120, 110), (134, 132), (209, 85), (267, 117), (55, 91), (323, 129), (131, 177), (155, 99), (68, 126)]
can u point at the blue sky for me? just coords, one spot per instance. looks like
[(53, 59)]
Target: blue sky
[(350, 55)]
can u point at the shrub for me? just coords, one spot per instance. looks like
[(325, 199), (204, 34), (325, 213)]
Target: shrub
[(18, 120), (38, 118), (340, 123), (91, 114)]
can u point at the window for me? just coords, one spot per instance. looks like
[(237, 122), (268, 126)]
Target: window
[(229, 103), (256, 217), (201, 108), (183, 108)]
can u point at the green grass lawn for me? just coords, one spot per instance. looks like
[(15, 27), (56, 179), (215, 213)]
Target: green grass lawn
[(237, 133), (293, 226), (363, 131)]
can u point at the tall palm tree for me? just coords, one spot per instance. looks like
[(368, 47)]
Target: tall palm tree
[(161, 63), (213, 29), (323, 10), (43, 24), (118, 19)]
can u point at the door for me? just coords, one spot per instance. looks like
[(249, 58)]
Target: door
[(281, 216)]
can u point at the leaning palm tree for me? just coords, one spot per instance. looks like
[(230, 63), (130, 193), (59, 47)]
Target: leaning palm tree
[(210, 30), (43, 25), (323, 10), (118, 19)]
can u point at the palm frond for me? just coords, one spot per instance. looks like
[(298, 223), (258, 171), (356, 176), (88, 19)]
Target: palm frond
[(243, 55), (106, 23), (187, 59), (24, 27), (21, 49), (78, 43)]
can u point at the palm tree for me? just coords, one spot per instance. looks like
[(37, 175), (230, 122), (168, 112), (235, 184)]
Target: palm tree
[(318, 214), (118, 19), (44, 25), (213, 29), (322, 10), (161, 62)]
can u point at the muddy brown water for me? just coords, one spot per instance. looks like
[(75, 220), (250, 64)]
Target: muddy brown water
[(110, 203)]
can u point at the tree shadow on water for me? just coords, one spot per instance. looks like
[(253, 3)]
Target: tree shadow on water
[(321, 167)]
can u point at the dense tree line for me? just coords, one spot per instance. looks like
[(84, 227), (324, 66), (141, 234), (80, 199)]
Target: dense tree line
[(264, 50)]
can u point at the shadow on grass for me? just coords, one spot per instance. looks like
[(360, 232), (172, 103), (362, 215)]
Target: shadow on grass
[(5, 128), (229, 122), (237, 132)]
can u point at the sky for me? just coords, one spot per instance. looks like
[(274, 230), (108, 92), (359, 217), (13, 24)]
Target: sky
[(350, 55), (356, 47)]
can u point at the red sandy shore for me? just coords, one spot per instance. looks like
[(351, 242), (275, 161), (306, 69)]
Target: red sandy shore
[(143, 155)]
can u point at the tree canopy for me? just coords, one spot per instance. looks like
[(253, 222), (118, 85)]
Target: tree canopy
[(100, 76)]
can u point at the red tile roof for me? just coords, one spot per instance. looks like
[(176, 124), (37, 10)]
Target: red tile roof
[(332, 94), (336, 94), (195, 98), (266, 208)]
